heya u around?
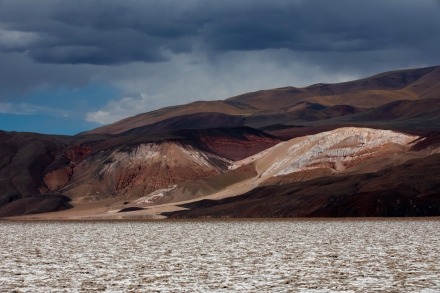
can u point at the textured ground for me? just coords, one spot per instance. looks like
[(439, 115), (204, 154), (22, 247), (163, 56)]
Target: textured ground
[(230, 256)]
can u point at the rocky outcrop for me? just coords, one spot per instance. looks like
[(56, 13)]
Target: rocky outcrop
[(77, 153), (134, 171), (152, 166), (60, 172), (56, 179)]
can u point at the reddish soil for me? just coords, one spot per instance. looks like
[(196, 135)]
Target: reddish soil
[(231, 143)]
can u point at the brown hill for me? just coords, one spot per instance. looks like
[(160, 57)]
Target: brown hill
[(191, 121), (170, 112), (290, 105), (23, 159), (134, 171), (418, 117)]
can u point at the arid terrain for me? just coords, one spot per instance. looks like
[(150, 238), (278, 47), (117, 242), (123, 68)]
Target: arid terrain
[(393, 255), (368, 147)]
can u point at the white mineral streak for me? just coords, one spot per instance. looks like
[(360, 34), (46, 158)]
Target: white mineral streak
[(167, 152), (150, 152), (334, 148), (196, 156), (339, 146), (152, 197)]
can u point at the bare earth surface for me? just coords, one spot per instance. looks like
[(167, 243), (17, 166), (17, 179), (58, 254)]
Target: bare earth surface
[(221, 256)]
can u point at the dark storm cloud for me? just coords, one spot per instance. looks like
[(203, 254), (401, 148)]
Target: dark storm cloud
[(148, 54), (337, 25), (18, 75), (117, 32), (94, 32)]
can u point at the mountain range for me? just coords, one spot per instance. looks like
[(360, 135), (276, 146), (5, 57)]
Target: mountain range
[(369, 147)]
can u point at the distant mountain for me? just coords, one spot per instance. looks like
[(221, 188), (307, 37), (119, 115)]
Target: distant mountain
[(362, 148), (292, 105)]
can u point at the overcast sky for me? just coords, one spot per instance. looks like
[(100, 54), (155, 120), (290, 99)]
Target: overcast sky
[(67, 66)]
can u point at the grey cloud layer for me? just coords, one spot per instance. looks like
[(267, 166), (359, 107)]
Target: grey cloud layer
[(168, 52), (117, 32)]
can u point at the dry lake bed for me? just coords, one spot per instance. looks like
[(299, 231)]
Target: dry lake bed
[(221, 256)]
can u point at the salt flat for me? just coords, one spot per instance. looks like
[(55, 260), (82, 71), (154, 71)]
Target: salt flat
[(221, 256)]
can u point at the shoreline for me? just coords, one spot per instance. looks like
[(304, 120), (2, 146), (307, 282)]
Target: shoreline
[(302, 219)]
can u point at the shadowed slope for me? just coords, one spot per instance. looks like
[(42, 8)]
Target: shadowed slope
[(411, 189), (23, 159), (418, 117), (170, 112), (431, 141), (231, 143), (191, 121), (41, 203)]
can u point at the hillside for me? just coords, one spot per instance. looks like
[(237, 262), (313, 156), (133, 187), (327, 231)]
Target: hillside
[(408, 190), (367, 147), (292, 105)]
